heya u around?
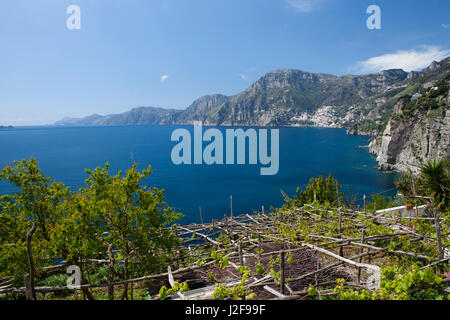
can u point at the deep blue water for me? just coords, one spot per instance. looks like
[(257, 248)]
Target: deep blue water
[(64, 153)]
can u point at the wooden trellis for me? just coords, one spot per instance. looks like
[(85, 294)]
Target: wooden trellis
[(247, 234)]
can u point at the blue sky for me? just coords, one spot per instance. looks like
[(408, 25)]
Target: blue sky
[(167, 53)]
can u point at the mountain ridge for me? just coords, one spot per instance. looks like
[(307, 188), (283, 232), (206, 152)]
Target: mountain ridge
[(203, 106), (363, 104)]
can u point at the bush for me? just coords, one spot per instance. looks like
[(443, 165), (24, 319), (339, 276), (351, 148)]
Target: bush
[(320, 190)]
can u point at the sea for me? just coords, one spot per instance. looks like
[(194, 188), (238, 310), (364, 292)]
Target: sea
[(63, 153)]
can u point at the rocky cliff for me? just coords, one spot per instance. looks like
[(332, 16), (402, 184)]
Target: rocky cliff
[(418, 131)]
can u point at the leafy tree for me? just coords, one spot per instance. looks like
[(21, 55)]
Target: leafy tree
[(78, 235), (36, 200), (117, 211), (112, 212)]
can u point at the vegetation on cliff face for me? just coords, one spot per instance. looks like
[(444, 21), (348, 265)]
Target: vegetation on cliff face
[(434, 98), (390, 101)]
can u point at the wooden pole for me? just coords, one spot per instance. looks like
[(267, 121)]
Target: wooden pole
[(341, 249), (315, 199), (31, 294), (132, 291), (282, 279), (201, 216), (262, 209), (364, 203), (414, 193), (241, 256), (315, 275), (231, 205), (437, 226), (337, 196), (361, 252), (110, 272)]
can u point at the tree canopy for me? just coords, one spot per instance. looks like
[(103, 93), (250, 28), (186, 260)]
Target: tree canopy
[(113, 212)]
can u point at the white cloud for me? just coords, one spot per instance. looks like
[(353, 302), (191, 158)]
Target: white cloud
[(446, 25), (164, 78), (245, 75), (407, 60), (303, 6)]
